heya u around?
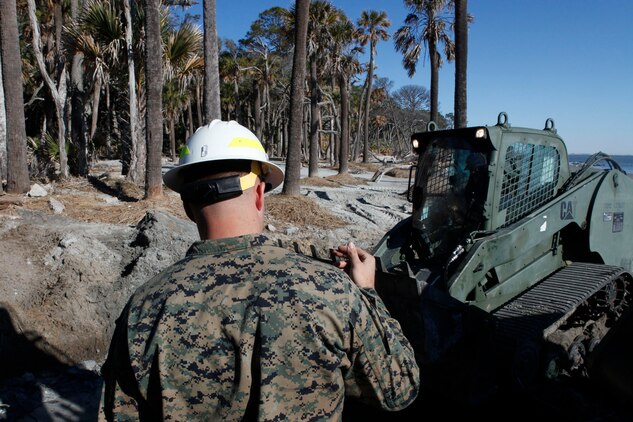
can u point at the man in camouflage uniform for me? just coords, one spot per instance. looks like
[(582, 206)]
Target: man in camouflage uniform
[(242, 329)]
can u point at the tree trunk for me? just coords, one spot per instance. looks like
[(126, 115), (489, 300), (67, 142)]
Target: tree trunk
[(284, 146), (370, 77), (190, 128), (435, 79), (257, 100), (260, 115), (236, 92), (187, 119), (3, 131), (77, 120), (305, 148), (461, 61), (108, 131), (315, 122), (134, 174), (293, 162), (211, 64), (265, 118), (17, 168), (343, 158), (139, 151), (115, 131), (154, 113), (57, 92), (96, 97), (359, 124), (199, 103), (172, 138)]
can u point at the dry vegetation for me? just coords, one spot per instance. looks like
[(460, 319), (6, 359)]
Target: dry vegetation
[(300, 211), (92, 199)]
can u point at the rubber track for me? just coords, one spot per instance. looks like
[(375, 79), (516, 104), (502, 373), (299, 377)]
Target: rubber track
[(550, 302)]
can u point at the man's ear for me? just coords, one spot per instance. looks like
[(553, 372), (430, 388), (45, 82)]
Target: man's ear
[(188, 210), (260, 189)]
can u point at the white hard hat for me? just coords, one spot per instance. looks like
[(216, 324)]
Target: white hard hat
[(222, 140)]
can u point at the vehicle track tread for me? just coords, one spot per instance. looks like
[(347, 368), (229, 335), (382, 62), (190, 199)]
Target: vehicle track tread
[(551, 301)]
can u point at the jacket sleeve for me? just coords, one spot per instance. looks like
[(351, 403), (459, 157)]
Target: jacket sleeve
[(383, 366), (120, 394)]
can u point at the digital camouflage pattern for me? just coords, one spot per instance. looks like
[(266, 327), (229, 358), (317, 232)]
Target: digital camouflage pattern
[(244, 329)]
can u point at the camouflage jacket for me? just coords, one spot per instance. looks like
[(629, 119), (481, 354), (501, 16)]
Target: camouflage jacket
[(241, 329)]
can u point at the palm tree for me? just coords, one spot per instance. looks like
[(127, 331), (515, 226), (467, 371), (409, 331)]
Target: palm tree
[(230, 73), (344, 64), (322, 17), (97, 35), (58, 90), (425, 26), (183, 61), (372, 28), (461, 61), (293, 161), (17, 169), (211, 71), (153, 87)]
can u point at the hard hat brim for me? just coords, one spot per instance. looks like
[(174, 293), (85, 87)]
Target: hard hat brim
[(275, 175), (173, 177)]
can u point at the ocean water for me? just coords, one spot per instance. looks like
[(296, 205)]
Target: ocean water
[(625, 161)]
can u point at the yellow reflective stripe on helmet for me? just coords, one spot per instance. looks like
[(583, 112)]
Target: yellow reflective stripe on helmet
[(246, 143), (248, 181)]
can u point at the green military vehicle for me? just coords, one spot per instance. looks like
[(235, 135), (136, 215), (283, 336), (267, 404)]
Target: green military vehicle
[(513, 268)]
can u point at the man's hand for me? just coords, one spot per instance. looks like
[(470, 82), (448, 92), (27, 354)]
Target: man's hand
[(358, 263)]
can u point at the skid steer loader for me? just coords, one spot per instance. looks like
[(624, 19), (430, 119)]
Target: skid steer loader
[(513, 267)]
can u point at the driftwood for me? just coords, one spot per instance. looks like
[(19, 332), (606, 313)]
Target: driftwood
[(386, 169), (7, 200)]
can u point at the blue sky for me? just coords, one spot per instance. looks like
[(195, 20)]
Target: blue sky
[(571, 60)]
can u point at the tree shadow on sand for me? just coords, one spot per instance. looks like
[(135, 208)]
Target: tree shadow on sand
[(39, 382), (116, 189)]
